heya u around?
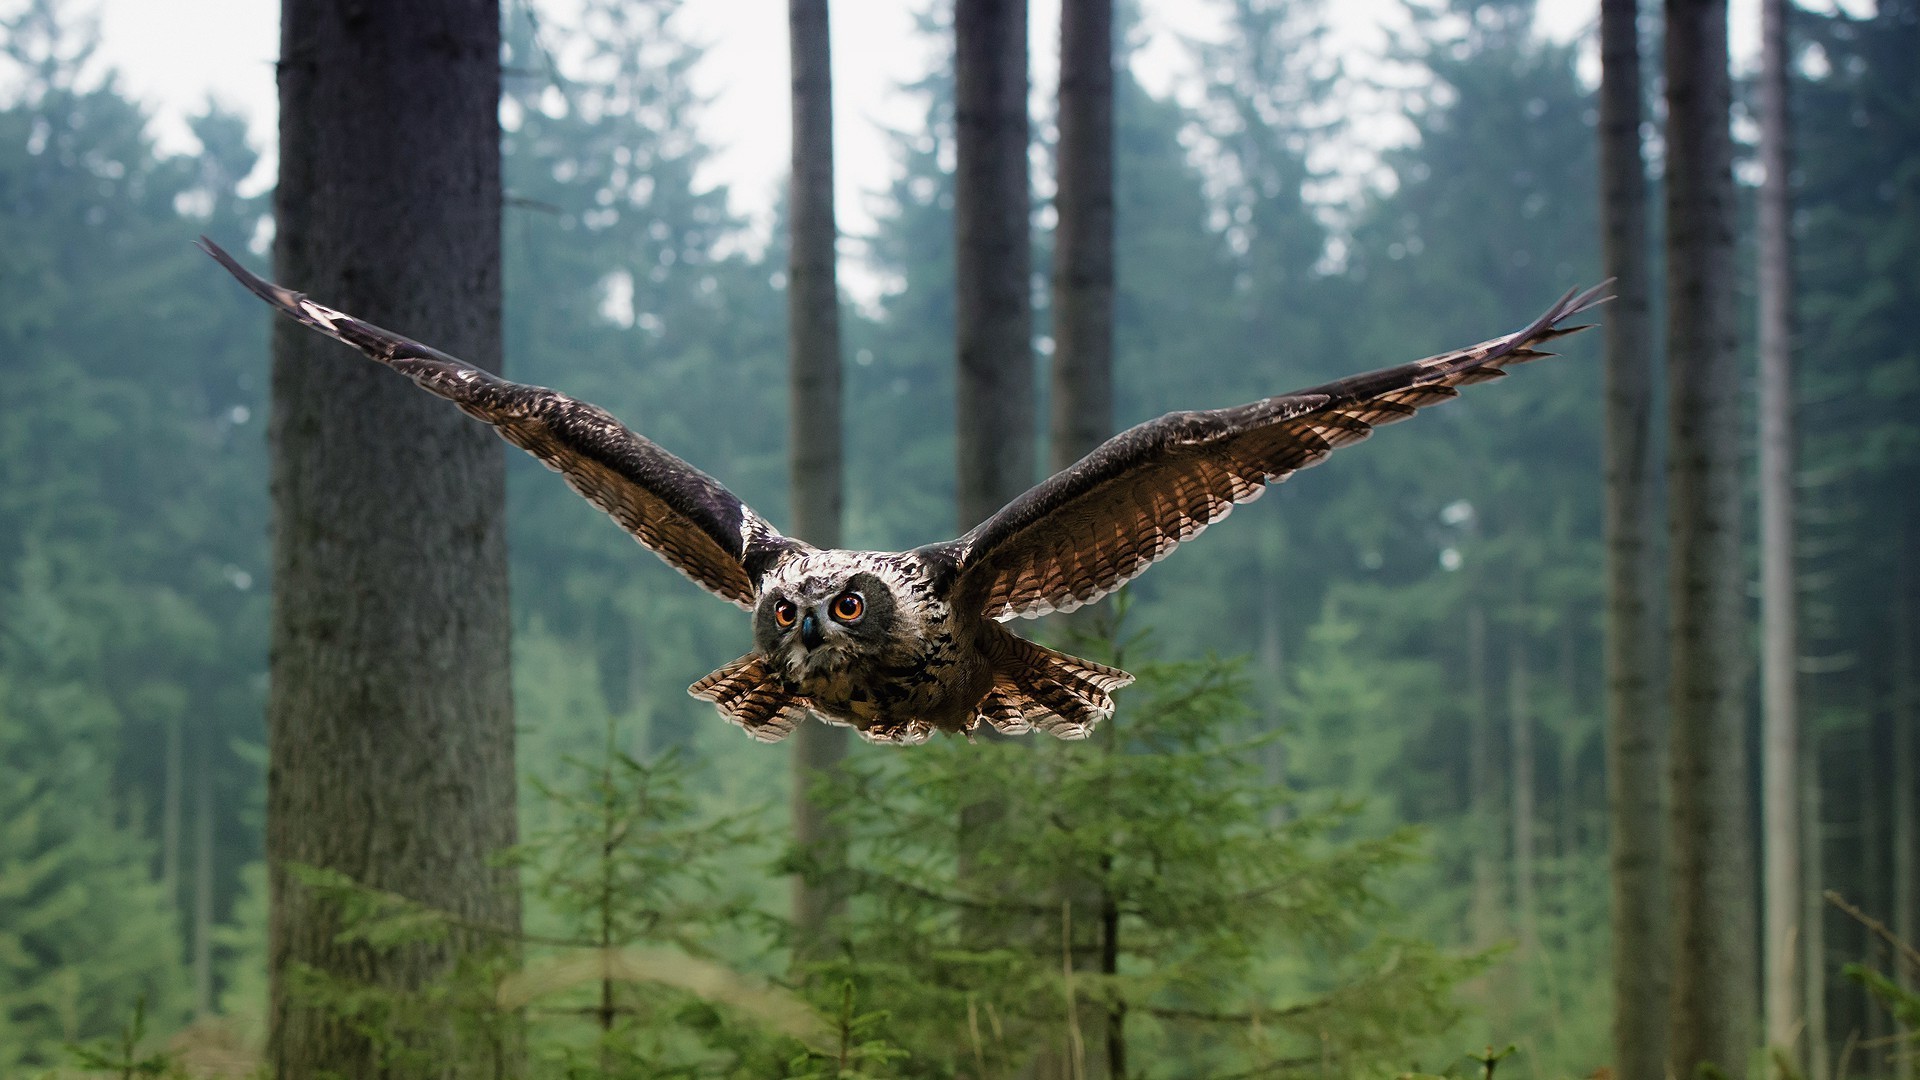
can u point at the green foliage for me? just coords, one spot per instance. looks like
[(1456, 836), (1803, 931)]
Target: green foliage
[(124, 1058), (618, 973), (1154, 874), (85, 932)]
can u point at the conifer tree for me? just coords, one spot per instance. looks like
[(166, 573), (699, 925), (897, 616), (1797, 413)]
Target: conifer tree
[(390, 721)]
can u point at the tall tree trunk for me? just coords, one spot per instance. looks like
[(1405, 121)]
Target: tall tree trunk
[(813, 429), (203, 876), (1485, 916), (1520, 761), (390, 724), (1780, 639), (993, 259), (1635, 737), (1714, 969), (1813, 908), (1082, 373), (1906, 741), (1082, 417), (170, 809)]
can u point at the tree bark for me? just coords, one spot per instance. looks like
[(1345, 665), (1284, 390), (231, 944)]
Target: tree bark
[(203, 877), (993, 305), (1485, 916), (1636, 736), (390, 723), (1080, 418), (1520, 762), (814, 451), (1082, 371), (1906, 742), (1813, 907), (1714, 969), (1780, 640)]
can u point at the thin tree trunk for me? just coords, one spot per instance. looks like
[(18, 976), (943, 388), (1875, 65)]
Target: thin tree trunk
[(1521, 764), (1813, 907), (1906, 841), (1635, 736), (1714, 968), (1082, 383), (1780, 640), (814, 438), (390, 722), (993, 305), (1081, 417), (170, 810), (203, 879), (1485, 916)]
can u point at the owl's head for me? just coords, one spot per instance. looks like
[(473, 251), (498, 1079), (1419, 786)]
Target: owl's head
[(823, 617)]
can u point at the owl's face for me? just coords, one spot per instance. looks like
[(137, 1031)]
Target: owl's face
[(811, 622)]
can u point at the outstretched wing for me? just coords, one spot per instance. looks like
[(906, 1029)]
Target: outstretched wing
[(678, 512), (1101, 522)]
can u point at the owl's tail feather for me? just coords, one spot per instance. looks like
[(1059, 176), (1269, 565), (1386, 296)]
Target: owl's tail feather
[(752, 694), (1037, 687)]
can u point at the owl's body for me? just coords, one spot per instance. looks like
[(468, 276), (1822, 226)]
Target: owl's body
[(904, 664), (899, 645)]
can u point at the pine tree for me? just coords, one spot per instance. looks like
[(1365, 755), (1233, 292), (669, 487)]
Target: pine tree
[(390, 720)]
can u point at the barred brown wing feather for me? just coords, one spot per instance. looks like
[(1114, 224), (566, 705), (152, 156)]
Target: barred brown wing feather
[(678, 512), (1098, 524)]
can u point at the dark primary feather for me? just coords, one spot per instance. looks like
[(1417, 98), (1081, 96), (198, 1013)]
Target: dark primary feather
[(1101, 522), (680, 513)]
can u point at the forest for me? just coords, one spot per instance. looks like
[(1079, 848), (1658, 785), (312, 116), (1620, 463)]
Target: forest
[(1569, 729)]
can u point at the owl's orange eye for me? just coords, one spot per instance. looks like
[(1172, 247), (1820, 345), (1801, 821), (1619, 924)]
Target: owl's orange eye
[(849, 606), (784, 613)]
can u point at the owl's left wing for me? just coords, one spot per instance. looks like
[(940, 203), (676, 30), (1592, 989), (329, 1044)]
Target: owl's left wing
[(1102, 521), (676, 511)]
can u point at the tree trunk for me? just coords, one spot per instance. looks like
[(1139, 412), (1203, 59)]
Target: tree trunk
[(1780, 641), (813, 430), (1082, 373), (1485, 916), (1635, 737), (1081, 417), (993, 259), (390, 724), (1714, 969), (1906, 741), (1813, 908), (203, 877), (1521, 764)]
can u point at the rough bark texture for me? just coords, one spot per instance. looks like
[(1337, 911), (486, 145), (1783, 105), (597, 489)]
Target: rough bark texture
[(1082, 374), (1081, 418), (1714, 968), (814, 451), (390, 724), (1636, 737), (1780, 640), (993, 259)]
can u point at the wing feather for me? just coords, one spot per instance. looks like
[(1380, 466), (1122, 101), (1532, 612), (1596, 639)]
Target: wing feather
[(681, 514), (1101, 522)]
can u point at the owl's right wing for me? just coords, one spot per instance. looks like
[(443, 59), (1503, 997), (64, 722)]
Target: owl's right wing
[(1099, 523), (676, 511)]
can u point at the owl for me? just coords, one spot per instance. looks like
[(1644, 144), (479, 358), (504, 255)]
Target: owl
[(901, 644)]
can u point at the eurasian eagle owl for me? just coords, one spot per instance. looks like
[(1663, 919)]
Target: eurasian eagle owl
[(900, 644)]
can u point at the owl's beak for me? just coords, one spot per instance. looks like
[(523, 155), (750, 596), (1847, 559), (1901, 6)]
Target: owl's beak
[(811, 635)]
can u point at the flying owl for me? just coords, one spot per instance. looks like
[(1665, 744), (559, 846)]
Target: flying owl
[(901, 644)]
